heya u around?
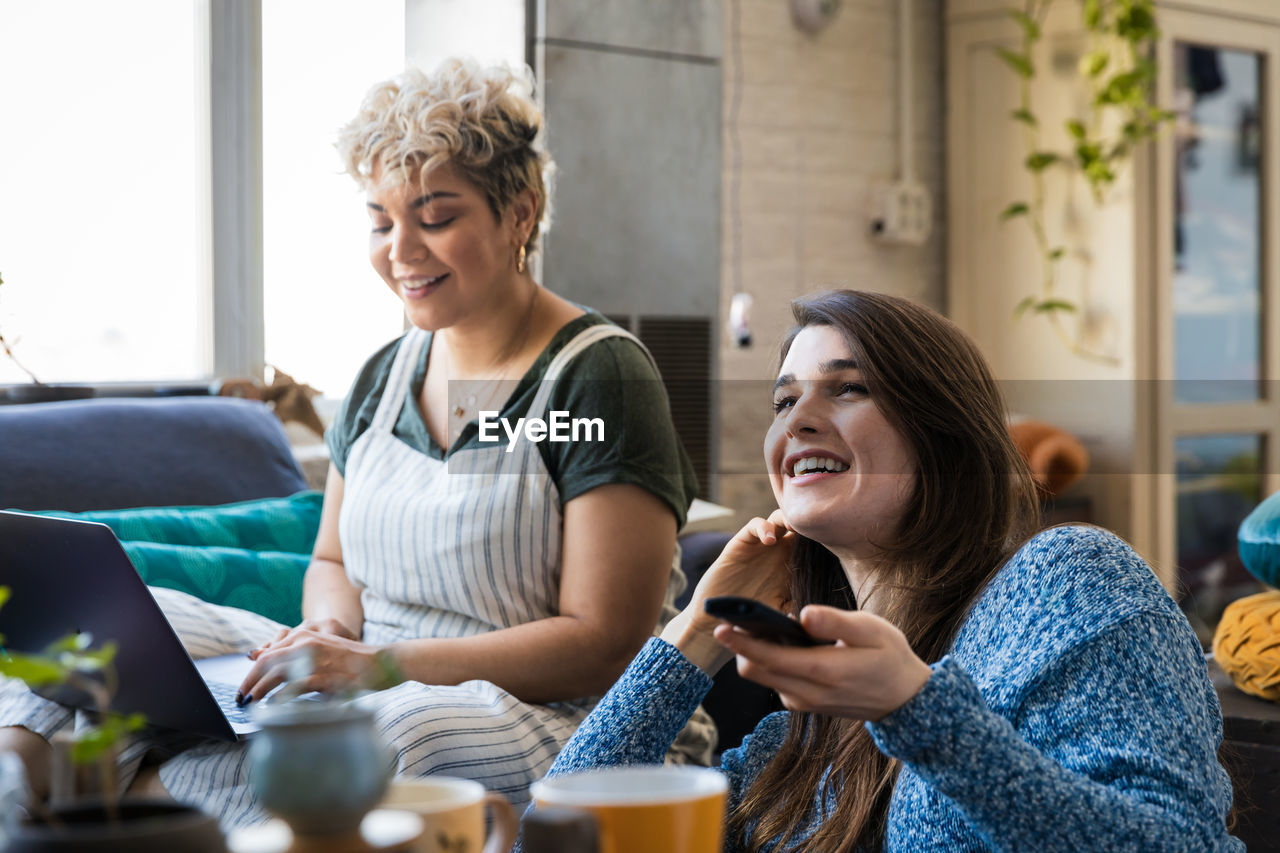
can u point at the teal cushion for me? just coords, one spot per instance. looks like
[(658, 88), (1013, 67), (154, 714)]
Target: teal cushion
[(1259, 539), (266, 582), (250, 555), (269, 524)]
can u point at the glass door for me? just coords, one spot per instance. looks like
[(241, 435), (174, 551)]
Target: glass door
[(1217, 416)]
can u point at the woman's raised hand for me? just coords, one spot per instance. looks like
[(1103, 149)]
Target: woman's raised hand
[(871, 670), (753, 564)]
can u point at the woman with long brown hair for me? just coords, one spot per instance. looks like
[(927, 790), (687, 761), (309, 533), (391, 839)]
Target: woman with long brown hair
[(986, 688)]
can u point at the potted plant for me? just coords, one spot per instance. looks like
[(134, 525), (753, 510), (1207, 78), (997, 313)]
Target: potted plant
[(37, 391), (98, 819), (1117, 72)]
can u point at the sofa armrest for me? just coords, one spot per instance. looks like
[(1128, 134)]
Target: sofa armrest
[(113, 453)]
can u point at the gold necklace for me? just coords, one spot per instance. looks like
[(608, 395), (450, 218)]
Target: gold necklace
[(502, 363), (472, 405)]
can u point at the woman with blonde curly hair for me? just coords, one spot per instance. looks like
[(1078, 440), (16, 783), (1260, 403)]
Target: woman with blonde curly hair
[(487, 587)]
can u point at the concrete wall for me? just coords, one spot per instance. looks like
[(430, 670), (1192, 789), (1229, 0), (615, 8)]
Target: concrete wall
[(810, 125), (632, 98)]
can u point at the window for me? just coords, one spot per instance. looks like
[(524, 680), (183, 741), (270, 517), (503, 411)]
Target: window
[(1218, 418), (324, 308), (1217, 318), (100, 196), (116, 117)]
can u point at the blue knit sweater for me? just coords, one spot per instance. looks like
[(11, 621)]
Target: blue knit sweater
[(1073, 712)]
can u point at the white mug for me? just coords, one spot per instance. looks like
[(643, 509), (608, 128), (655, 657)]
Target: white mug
[(452, 811)]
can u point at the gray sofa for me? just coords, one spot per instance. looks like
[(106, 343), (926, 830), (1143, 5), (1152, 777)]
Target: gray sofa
[(114, 453), (118, 453)]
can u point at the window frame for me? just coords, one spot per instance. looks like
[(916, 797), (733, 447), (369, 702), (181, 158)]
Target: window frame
[(233, 30), (1168, 419)]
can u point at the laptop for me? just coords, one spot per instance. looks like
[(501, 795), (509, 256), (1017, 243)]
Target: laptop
[(69, 576)]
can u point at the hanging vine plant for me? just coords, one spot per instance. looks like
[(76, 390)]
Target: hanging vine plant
[(1118, 69)]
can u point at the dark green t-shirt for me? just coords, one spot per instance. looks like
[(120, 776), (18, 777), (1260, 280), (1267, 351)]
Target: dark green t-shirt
[(612, 380)]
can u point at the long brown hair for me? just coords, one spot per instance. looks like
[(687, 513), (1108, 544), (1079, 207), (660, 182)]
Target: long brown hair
[(973, 504)]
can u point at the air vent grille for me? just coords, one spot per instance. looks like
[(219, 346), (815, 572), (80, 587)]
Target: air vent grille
[(681, 346)]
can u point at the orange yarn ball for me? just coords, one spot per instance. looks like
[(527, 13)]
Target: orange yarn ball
[(1247, 644)]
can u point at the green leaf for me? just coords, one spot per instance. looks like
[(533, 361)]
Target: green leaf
[(1075, 127), (92, 743), (1017, 61), (1018, 208), (1025, 117), (1038, 161), (1030, 29), (1099, 173), (1050, 305), (1122, 88), (1091, 12), (31, 670), (105, 654), (74, 653), (1087, 153), (1094, 63), (71, 643), (87, 662), (1022, 306), (1136, 22)]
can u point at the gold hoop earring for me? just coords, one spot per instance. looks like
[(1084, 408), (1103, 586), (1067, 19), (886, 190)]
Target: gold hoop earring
[(521, 266)]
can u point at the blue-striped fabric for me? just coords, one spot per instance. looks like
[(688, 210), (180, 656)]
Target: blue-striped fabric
[(441, 549), (481, 529)]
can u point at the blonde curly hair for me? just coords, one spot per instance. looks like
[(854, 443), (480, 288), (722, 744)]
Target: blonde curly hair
[(481, 121)]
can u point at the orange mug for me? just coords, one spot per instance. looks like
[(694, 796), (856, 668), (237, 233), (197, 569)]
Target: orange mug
[(642, 809)]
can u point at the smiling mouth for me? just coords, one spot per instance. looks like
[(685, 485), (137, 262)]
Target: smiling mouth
[(816, 465), (418, 285)]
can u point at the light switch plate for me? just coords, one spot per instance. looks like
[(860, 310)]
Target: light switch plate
[(902, 212)]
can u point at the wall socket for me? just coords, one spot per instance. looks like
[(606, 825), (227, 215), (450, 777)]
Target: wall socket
[(901, 212)]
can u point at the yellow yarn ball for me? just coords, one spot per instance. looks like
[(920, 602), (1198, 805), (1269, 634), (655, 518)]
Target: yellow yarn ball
[(1247, 644)]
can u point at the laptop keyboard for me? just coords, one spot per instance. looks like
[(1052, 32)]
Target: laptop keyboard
[(225, 694)]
